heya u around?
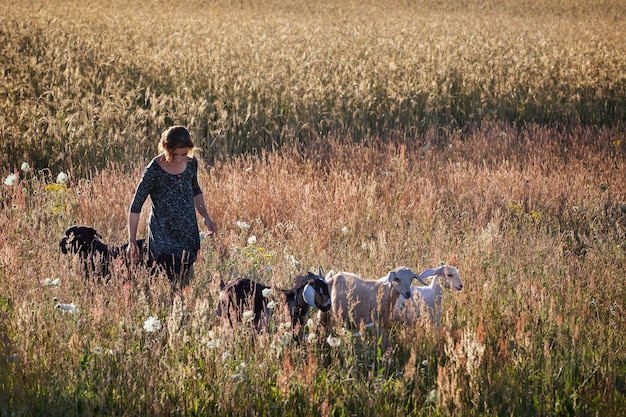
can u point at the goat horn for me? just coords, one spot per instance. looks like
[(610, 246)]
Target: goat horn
[(426, 273)]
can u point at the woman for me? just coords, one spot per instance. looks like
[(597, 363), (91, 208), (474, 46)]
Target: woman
[(171, 181)]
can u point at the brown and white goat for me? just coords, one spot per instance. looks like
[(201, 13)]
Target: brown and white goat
[(243, 294)]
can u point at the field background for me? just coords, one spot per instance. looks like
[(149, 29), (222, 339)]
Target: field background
[(355, 136)]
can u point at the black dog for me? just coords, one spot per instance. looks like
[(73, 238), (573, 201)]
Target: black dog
[(95, 255)]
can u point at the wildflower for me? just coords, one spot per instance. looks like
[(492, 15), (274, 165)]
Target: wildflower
[(293, 261), (248, 315), (55, 188), (48, 282), (237, 377), (267, 292), (226, 356), (214, 343), (271, 305), (333, 341), (243, 225), (152, 324), (285, 326), (252, 240), (242, 367), (345, 230), (97, 350), (202, 236), (67, 308), (25, 167), (62, 178), (433, 397), (10, 180), (310, 323), (311, 337), (284, 341)]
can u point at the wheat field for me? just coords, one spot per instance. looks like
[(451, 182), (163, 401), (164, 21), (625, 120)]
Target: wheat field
[(354, 136)]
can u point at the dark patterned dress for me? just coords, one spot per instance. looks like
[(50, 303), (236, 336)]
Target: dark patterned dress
[(173, 227)]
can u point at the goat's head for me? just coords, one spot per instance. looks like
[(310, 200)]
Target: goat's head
[(400, 280), (79, 239), (448, 276), (316, 292)]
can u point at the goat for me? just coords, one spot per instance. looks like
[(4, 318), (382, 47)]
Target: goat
[(357, 301), (407, 309), (310, 290), (94, 254)]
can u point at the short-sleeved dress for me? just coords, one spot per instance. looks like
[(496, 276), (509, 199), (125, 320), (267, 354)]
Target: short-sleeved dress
[(173, 227)]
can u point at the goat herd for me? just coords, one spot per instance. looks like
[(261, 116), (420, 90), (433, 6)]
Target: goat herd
[(339, 296)]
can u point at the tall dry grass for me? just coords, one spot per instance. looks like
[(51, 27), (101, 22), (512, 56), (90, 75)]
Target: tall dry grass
[(88, 83), (355, 136), (533, 218)]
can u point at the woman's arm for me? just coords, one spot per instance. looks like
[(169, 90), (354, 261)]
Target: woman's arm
[(198, 202)]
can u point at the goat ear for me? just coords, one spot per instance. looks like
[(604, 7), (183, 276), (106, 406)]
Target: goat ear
[(308, 293), (392, 278)]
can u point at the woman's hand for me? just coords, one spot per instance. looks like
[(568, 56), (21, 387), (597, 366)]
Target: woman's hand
[(133, 252), (210, 226)]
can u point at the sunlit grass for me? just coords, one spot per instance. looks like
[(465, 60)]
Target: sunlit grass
[(537, 232), (86, 84)]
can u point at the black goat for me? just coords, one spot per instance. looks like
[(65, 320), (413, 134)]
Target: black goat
[(310, 290), (95, 255)]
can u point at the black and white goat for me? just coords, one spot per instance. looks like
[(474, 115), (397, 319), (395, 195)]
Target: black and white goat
[(95, 255), (244, 294)]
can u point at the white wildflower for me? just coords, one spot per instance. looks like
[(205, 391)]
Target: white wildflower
[(271, 305), (267, 292), (345, 230), (226, 356), (152, 324), (25, 167), (285, 326), (62, 178), (292, 260), (67, 308), (215, 343), (243, 225), (310, 323), (248, 315), (311, 337), (48, 282), (333, 341), (252, 240), (10, 180)]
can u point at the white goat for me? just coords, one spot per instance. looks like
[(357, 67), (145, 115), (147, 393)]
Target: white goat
[(356, 301), (408, 308)]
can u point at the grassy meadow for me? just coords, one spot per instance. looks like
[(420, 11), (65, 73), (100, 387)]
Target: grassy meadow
[(354, 136)]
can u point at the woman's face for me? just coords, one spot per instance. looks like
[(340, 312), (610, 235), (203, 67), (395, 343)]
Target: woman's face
[(178, 155)]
